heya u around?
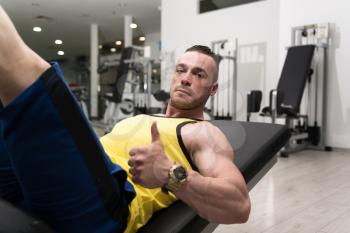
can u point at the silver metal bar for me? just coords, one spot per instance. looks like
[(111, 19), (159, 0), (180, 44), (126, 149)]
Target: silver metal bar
[(299, 136), (324, 96), (274, 106), (149, 84), (234, 82)]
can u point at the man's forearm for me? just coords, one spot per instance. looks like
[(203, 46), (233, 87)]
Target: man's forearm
[(19, 65), (218, 200)]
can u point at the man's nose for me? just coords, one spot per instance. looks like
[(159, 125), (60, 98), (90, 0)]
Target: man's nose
[(186, 79)]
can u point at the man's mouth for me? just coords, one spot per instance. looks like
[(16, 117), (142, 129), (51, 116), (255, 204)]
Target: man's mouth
[(183, 90)]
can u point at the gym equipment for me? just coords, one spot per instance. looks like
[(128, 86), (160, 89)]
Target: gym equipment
[(142, 95), (14, 220), (303, 74), (163, 97), (286, 98), (106, 64), (81, 94), (255, 146), (253, 102), (114, 100), (132, 90), (315, 105), (119, 104), (223, 105)]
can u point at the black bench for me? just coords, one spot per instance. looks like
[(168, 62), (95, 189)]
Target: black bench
[(255, 146)]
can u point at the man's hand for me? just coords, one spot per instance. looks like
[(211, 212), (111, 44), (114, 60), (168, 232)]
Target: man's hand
[(149, 166)]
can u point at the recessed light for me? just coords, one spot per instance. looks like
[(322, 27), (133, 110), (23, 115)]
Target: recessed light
[(133, 25), (113, 50), (58, 42), (37, 29), (61, 53), (142, 38), (118, 42)]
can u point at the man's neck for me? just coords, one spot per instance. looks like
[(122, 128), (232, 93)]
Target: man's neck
[(192, 113)]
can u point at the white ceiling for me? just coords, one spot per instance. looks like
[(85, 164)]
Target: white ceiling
[(69, 20)]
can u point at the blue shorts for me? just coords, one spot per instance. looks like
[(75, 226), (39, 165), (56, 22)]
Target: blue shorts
[(52, 164)]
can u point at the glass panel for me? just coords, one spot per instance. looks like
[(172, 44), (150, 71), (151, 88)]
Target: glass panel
[(211, 5)]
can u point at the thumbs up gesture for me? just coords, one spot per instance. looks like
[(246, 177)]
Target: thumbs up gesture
[(149, 166)]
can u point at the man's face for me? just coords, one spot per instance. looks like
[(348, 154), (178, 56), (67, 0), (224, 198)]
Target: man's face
[(193, 81)]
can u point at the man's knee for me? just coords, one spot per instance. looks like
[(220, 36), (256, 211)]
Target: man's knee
[(19, 65)]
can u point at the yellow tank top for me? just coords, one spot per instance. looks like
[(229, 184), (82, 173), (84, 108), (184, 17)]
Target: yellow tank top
[(134, 132)]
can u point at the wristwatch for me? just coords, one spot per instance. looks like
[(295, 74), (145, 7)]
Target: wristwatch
[(177, 176)]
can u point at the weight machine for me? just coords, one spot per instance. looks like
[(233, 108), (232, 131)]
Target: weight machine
[(300, 97), (314, 103), (223, 104), (132, 90)]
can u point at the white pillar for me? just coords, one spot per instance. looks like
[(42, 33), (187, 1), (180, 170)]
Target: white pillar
[(94, 77), (127, 31)]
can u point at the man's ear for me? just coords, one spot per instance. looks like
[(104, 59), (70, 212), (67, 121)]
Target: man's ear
[(214, 88)]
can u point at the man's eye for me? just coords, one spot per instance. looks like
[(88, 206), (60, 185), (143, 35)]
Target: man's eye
[(200, 75), (179, 70)]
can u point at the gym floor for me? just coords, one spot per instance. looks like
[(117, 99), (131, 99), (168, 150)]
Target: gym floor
[(309, 192)]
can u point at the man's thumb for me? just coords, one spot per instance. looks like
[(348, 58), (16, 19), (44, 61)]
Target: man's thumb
[(154, 132)]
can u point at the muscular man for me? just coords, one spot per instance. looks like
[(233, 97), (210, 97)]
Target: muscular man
[(52, 164)]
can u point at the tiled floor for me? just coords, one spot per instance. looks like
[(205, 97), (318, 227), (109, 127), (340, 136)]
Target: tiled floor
[(309, 192)]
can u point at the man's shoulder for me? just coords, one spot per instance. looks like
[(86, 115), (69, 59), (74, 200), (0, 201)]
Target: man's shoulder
[(201, 126), (132, 118), (203, 136), (202, 132)]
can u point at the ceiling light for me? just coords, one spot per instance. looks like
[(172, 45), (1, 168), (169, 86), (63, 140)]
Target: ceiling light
[(37, 29), (61, 53), (142, 38), (58, 42), (118, 42), (113, 50), (133, 25), (100, 46)]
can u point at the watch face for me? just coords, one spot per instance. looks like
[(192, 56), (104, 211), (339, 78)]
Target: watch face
[(180, 173)]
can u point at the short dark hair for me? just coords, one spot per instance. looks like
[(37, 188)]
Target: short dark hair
[(207, 51)]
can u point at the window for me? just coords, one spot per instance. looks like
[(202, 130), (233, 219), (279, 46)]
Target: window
[(212, 5)]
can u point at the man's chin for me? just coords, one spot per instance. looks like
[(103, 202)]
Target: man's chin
[(181, 104)]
